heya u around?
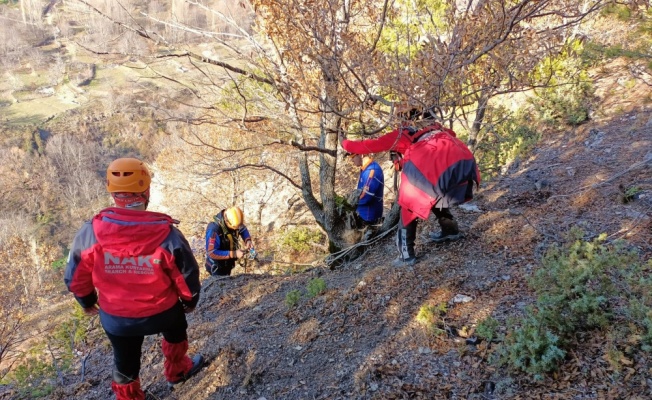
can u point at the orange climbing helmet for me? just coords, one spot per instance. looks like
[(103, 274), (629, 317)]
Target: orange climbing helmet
[(127, 175), (233, 217)]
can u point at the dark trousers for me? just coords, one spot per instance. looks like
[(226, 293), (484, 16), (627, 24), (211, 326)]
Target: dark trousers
[(362, 224), (446, 220), (127, 351), (406, 234), (220, 268)]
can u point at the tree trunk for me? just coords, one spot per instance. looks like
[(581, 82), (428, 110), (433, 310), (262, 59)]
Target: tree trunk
[(22, 11), (477, 122), (329, 126)]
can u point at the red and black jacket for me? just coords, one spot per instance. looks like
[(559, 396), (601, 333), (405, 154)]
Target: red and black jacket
[(438, 169), (136, 264)]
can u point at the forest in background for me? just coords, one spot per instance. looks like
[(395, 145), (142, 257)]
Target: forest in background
[(246, 135)]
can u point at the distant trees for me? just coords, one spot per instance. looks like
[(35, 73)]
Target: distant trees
[(25, 266), (11, 334), (305, 72), (31, 11), (76, 165)]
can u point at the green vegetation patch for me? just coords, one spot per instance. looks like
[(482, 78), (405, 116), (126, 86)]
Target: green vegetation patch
[(36, 372), (431, 318), (581, 287), (315, 287), (507, 137), (300, 239), (568, 93)]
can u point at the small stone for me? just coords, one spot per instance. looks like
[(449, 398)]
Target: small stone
[(461, 298), (470, 207)]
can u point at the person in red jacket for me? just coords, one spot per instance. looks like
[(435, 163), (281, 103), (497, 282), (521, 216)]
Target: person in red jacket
[(136, 269), (437, 171)]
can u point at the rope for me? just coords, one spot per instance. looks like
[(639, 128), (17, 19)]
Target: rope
[(331, 258)]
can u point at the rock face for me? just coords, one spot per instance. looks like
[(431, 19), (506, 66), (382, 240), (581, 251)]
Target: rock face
[(272, 205)]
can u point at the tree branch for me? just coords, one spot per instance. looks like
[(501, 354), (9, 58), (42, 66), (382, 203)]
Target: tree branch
[(263, 167)]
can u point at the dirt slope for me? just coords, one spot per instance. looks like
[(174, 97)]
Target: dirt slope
[(361, 340)]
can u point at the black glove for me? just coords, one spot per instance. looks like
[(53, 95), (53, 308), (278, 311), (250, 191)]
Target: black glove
[(396, 160), (189, 306)]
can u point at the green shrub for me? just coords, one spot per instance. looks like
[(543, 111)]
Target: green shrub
[(631, 193), (509, 136), (573, 286), (292, 298), (60, 263), (71, 332), (582, 286), (430, 316), (532, 348), (34, 378), (300, 239), (621, 11), (646, 338), (566, 94), (36, 373), (316, 287), (487, 329)]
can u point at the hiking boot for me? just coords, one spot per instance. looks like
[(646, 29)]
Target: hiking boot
[(441, 237), (408, 262), (197, 363)]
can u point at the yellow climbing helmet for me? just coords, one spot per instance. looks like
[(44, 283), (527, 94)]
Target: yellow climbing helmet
[(233, 217), (127, 175)]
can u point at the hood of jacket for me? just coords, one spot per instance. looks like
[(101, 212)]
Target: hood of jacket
[(131, 232)]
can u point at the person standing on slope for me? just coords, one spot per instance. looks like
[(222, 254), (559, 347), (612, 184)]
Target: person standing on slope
[(136, 269), (437, 171), (369, 192), (222, 236)]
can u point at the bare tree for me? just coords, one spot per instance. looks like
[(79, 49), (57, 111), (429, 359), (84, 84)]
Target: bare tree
[(11, 333), (75, 167), (307, 75)]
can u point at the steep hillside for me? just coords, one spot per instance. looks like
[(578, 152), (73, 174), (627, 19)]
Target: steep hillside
[(360, 339)]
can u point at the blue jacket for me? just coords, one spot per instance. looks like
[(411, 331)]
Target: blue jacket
[(222, 242), (371, 185)]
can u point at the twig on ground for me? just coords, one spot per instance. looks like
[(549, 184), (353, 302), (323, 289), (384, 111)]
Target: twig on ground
[(647, 159), (55, 364), (637, 221), (537, 229), (83, 365)]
